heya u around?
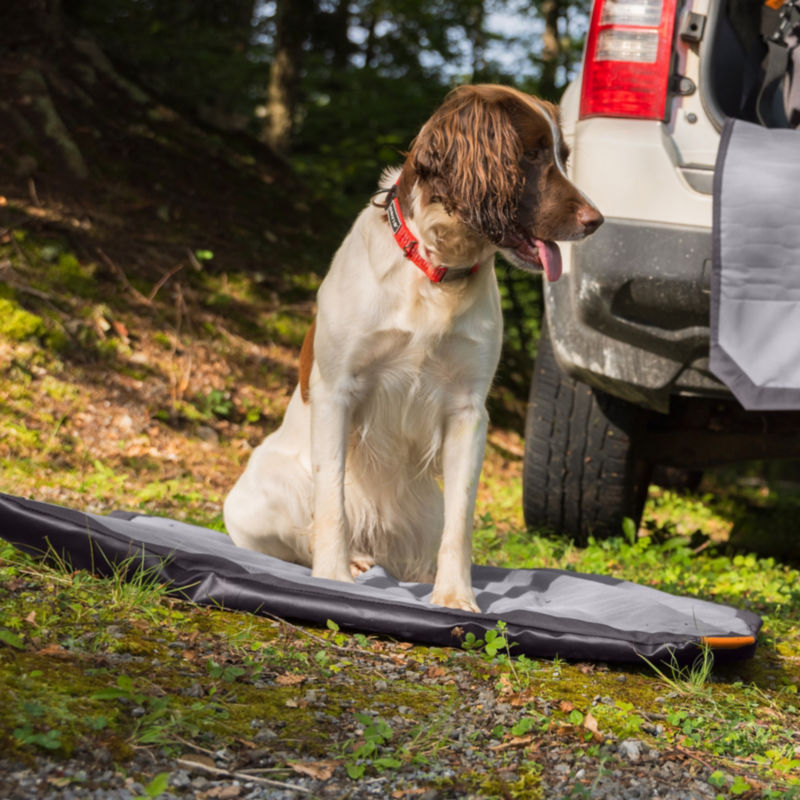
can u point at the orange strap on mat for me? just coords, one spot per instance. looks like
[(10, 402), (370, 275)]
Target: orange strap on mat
[(727, 642)]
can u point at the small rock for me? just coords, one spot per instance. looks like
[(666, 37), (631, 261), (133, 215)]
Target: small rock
[(630, 749), (207, 434), (180, 779), (265, 735)]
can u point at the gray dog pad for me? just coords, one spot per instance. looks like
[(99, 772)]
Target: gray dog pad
[(549, 612), (755, 295)]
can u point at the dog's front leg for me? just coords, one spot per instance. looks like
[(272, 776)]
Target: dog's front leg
[(330, 431), (464, 442)]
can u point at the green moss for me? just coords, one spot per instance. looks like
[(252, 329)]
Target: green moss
[(17, 324), (59, 389), (20, 436), (523, 783), (162, 340), (285, 327)]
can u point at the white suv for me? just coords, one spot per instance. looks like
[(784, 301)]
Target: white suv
[(622, 382)]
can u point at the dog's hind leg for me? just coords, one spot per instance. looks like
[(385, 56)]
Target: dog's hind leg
[(269, 508)]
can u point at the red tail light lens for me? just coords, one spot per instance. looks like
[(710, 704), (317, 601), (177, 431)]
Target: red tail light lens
[(627, 65)]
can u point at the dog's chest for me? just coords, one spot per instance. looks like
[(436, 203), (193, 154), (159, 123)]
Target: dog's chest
[(410, 385)]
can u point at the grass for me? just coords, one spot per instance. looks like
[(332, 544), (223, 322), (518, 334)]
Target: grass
[(157, 412)]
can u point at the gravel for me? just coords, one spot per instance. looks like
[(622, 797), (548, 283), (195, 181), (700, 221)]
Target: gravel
[(654, 776), (613, 770)]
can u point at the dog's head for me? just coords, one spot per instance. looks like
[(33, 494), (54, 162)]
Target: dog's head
[(494, 158)]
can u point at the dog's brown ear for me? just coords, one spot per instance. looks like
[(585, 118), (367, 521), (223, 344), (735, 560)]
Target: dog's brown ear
[(468, 155)]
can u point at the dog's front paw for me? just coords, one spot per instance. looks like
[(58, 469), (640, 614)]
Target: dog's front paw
[(360, 564), (462, 598)]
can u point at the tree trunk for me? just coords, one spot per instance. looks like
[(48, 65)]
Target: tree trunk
[(340, 22), (476, 32), (371, 40), (292, 25), (551, 49)]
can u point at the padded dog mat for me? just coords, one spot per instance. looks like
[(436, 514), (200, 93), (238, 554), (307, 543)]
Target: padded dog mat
[(548, 612)]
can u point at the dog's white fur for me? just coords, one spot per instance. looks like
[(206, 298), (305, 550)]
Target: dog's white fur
[(398, 387)]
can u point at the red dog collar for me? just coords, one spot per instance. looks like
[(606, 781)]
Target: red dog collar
[(410, 246)]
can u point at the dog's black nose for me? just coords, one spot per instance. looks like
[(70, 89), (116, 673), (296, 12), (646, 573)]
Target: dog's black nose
[(589, 218)]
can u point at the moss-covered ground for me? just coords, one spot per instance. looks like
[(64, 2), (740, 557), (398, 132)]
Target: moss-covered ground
[(101, 669)]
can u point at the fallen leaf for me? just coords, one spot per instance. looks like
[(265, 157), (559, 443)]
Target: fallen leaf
[(506, 687), (457, 632), (121, 330), (436, 672), (221, 792), (52, 650), (522, 699), (404, 645), (516, 741), (566, 706), (290, 679), (189, 655), (246, 742), (587, 669), (197, 759), (31, 618), (590, 723), (319, 770)]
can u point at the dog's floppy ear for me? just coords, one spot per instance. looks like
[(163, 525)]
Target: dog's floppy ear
[(468, 155)]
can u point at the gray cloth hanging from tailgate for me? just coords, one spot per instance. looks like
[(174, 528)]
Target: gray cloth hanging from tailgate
[(755, 293)]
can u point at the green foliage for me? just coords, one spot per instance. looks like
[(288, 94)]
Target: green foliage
[(216, 403), (371, 750), (156, 787), (11, 639), (201, 54), (17, 324)]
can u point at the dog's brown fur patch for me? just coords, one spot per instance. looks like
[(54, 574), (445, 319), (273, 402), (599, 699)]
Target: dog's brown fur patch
[(306, 361)]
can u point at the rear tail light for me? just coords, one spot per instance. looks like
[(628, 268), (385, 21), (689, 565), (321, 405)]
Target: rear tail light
[(627, 65)]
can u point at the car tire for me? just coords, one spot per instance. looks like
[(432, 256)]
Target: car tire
[(581, 475)]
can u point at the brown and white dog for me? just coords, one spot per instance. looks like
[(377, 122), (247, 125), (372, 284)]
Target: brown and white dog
[(395, 372)]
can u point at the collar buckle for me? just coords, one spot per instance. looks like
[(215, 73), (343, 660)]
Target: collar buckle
[(410, 246)]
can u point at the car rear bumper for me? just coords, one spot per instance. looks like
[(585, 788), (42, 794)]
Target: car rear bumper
[(631, 314)]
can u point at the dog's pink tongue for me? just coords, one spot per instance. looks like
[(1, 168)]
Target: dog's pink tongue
[(550, 256)]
